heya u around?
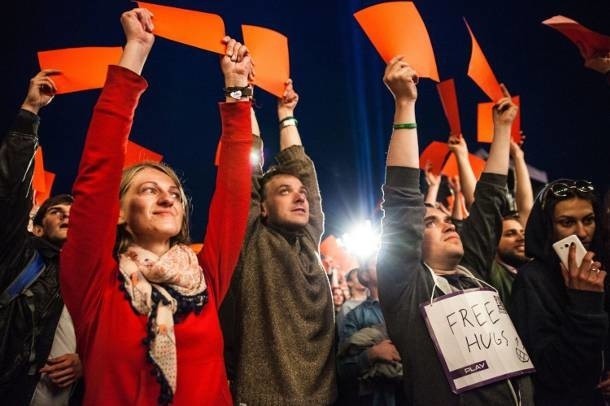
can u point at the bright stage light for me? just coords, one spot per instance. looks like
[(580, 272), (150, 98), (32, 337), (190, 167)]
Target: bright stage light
[(362, 240)]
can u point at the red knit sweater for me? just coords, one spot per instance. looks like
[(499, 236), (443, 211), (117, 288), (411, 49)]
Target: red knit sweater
[(109, 332)]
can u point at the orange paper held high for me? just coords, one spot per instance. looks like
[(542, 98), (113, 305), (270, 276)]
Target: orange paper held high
[(49, 178), (269, 50), (137, 153), (396, 28), (446, 91), (589, 43), (480, 71), (485, 125), (451, 166), (434, 155), (81, 68), (195, 28)]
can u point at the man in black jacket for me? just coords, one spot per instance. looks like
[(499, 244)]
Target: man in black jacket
[(422, 256), (38, 360)]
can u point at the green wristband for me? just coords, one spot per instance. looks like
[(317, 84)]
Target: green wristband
[(404, 126)]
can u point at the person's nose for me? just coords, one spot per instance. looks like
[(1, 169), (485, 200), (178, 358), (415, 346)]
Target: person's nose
[(581, 231), (166, 199)]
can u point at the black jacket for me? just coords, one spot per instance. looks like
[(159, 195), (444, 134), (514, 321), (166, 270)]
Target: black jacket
[(28, 323), (404, 283), (564, 330)]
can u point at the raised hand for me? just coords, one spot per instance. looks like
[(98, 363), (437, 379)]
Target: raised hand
[(138, 27), (288, 102), (236, 64), (504, 111), (457, 145), (41, 91), (401, 80)]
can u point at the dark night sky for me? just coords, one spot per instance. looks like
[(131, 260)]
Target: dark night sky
[(345, 113)]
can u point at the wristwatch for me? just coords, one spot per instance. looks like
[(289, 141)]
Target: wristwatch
[(238, 93)]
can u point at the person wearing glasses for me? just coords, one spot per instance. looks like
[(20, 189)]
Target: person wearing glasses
[(559, 311)]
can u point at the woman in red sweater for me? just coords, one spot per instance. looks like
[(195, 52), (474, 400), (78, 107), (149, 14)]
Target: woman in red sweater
[(140, 299)]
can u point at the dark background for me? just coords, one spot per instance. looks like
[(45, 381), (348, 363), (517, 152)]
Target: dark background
[(345, 112)]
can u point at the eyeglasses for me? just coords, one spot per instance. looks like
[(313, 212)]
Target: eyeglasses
[(567, 188)]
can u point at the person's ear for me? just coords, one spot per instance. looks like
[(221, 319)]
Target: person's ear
[(264, 211), (122, 219), (37, 230)]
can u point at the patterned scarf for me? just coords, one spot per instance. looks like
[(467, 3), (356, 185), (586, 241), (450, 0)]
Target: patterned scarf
[(157, 286)]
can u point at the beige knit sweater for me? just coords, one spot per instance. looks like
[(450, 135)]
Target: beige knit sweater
[(282, 305)]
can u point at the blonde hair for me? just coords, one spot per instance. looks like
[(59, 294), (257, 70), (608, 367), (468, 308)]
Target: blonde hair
[(123, 238)]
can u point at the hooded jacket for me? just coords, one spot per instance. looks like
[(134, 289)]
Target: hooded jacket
[(564, 330)]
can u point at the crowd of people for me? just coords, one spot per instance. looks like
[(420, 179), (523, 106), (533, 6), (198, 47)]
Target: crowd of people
[(103, 301)]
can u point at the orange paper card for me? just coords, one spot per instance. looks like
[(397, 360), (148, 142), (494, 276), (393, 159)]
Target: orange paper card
[(589, 43), (39, 183), (137, 153), (396, 28), (269, 50), (81, 68), (480, 71), (446, 90), (42, 196), (194, 28), (451, 167), (485, 125), (435, 154)]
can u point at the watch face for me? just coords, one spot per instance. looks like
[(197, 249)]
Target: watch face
[(236, 94)]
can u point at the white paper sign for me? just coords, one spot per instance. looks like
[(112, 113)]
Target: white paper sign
[(475, 339)]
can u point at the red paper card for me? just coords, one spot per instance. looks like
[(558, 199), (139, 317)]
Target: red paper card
[(485, 126), (446, 91), (435, 154), (480, 71), (195, 28), (269, 50), (137, 153), (396, 28), (81, 68), (589, 43), (451, 167)]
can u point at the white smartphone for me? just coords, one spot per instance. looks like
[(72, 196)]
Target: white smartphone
[(562, 248)]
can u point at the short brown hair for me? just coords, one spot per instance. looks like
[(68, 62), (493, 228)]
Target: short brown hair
[(50, 202)]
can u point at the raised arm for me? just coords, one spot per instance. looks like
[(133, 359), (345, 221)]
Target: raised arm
[(293, 159), (401, 79), (399, 260), (434, 184), (94, 214), (468, 182), (229, 207), (524, 195), (17, 167), (482, 230), (458, 211)]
